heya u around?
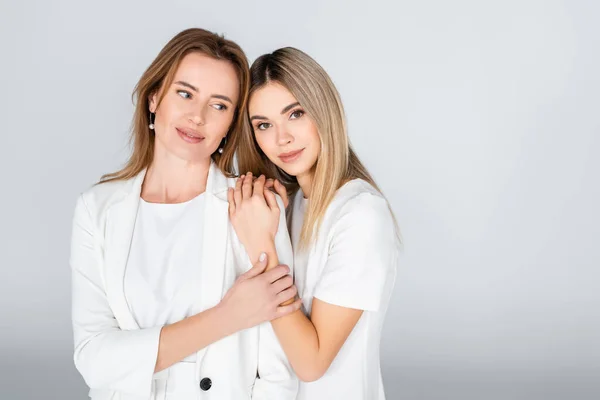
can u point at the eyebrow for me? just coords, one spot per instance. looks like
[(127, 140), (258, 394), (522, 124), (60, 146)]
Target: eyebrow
[(288, 108), (195, 89), (285, 109)]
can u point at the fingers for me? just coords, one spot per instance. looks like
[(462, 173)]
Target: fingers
[(285, 310), (231, 201), (269, 183), (256, 269), (271, 200), (287, 294), (237, 194), (281, 191), (276, 273), (259, 186), (282, 284), (247, 186)]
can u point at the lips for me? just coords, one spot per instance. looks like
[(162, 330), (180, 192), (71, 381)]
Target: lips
[(189, 135), (290, 156)]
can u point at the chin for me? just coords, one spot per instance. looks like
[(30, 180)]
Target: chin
[(294, 170), (187, 155)]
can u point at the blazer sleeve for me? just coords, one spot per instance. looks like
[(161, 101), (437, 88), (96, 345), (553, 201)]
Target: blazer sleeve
[(106, 356), (276, 378)]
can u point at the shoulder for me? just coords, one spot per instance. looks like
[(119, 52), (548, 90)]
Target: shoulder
[(228, 183), (359, 198), (358, 210), (100, 197)]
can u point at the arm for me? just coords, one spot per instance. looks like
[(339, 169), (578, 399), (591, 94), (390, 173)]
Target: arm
[(276, 377), (125, 360), (358, 265)]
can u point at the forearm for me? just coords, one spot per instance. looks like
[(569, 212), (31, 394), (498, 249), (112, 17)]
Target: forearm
[(264, 246), (268, 247), (300, 341), (192, 334)]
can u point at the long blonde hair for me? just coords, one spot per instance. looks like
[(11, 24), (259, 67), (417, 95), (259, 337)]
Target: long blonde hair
[(160, 75), (337, 162)]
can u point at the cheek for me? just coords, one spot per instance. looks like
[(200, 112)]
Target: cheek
[(308, 133), (221, 123), (166, 112), (265, 144)]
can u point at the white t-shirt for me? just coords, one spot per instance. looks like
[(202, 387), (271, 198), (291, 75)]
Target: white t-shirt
[(163, 269), (352, 264)]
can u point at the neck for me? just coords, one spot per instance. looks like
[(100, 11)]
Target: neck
[(172, 180), (305, 181)]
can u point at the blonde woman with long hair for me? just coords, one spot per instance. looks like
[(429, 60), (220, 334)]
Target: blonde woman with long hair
[(165, 302), (344, 235)]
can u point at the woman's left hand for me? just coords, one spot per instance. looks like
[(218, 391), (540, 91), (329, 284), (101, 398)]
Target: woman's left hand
[(254, 213)]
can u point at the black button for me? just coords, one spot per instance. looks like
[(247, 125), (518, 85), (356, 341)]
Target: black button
[(205, 384)]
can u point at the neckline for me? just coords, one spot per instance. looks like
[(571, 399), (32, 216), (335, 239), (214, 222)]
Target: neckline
[(183, 203)]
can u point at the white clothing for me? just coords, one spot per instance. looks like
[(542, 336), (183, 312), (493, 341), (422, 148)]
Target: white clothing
[(162, 275), (351, 264), (115, 356)]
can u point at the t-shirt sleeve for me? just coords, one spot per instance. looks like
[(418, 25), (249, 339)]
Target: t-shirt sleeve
[(362, 255)]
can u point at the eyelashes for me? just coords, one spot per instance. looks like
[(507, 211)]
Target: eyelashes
[(220, 107), (263, 126), (188, 96), (294, 114), (185, 94)]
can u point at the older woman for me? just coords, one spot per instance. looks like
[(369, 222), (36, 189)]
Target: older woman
[(165, 302)]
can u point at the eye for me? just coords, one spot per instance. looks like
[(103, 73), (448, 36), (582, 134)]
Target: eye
[(220, 107), (263, 126), (184, 94), (296, 114)]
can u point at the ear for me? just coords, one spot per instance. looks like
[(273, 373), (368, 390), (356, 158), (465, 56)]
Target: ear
[(152, 102)]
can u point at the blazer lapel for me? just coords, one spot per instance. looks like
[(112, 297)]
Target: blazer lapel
[(214, 246), (119, 232)]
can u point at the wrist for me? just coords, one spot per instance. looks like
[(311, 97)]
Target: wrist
[(263, 246), (226, 319)]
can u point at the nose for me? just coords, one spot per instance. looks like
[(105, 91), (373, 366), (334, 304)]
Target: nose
[(197, 117), (284, 137)]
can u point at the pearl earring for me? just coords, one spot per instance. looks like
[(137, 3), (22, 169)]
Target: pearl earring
[(223, 143), (151, 125)]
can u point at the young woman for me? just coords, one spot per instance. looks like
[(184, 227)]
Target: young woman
[(164, 303), (344, 235)]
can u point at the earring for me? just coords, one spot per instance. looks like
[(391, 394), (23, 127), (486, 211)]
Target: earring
[(152, 117), (223, 143)]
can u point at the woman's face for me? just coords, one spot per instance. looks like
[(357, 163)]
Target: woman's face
[(284, 132), (197, 109)]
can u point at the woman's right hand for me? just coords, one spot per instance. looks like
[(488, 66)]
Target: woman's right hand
[(255, 297), (277, 187)]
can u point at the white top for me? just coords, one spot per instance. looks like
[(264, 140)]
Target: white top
[(352, 264), (115, 356), (162, 275)]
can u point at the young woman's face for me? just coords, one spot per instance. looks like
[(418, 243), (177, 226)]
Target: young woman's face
[(284, 132), (197, 109)]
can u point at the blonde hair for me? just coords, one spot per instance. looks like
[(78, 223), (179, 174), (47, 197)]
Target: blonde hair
[(337, 162), (159, 75)]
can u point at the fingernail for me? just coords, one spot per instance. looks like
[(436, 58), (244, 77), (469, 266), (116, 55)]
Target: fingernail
[(263, 257)]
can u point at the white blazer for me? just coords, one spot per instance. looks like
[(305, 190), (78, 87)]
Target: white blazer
[(115, 357)]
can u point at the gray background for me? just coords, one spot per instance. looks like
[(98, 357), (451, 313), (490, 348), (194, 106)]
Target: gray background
[(479, 119)]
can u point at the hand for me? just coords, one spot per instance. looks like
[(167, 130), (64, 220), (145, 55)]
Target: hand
[(279, 189), (255, 297), (254, 214)]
